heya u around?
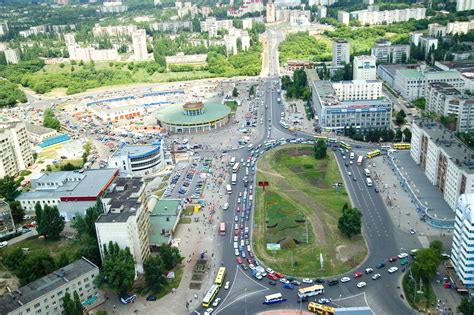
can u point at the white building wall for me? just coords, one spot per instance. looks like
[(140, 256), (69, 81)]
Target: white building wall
[(463, 240), (364, 68), (432, 155)]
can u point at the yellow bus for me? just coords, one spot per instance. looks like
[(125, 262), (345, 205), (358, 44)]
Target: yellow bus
[(210, 295), (220, 276), (401, 146), (373, 154), (321, 309), (344, 145)]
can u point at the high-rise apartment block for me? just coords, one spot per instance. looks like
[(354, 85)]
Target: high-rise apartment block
[(140, 51), (464, 5), (12, 56), (385, 52), (340, 52), (15, 149), (364, 68)]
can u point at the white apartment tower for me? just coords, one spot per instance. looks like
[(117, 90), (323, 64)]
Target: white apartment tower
[(343, 17), (12, 56), (139, 45), (364, 68), (15, 149), (464, 5), (340, 52), (3, 28)]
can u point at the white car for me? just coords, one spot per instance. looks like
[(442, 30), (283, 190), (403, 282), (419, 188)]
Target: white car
[(238, 200), (392, 269), (368, 270), (236, 245), (216, 302), (251, 266), (236, 252), (209, 311), (376, 276), (402, 255), (361, 284), (269, 270), (307, 280), (3, 244), (236, 238), (283, 280), (227, 285), (345, 279)]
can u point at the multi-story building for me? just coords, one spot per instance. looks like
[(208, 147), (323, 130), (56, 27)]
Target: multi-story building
[(71, 191), (212, 26), (357, 103), (364, 68), (34, 30), (3, 46), (114, 30), (45, 295), (172, 26), (6, 219), (230, 40), (341, 53), (138, 160), (443, 99), (343, 17), (249, 6), (415, 38), (70, 39), (428, 44), (12, 56), (15, 149), (90, 53), (375, 17), (461, 253), (140, 51), (437, 30), (385, 52), (322, 11), (115, 6), (3, 28), (464, 5), (126, 220), (459, 27), (446, 161)]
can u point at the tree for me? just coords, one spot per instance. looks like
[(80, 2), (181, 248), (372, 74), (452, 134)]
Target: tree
[(72, 306), (437, 245), (320, 149), (467, 306), (85, 225), (426, 263), (50, 120), (154, 273), (89, 248), (35, 266), (63, 260), (406, 135), (118, 269), (9, 188), (170, 256), (235, 93), (400, 118), (350, 222), (48, 221), (14, 258), (420, 103), (17, 212)]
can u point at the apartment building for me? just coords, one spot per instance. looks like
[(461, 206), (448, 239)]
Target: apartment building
[(12, 56), (91, 54), (15, 149), (463, 236), (271, 13), (385, 52), (322, 11), (343, 17), (212, 26), (428, 44), (464, 5), (172, 26), (114, 30), (376, 17), (126, 220), (45, 295), (446, 161), (341, 53), (7, 225), (459, 27), (3, 28), (364, 68), (437, 30), (140, 52), (443, 99), (70, 39), (113, 7), (357, 103)]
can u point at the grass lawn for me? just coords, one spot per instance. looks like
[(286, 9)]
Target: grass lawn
[(53, 248), (76, 162), (423, 302), (300, 211)]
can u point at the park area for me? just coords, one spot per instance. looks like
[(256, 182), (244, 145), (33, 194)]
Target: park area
[(300, 210)]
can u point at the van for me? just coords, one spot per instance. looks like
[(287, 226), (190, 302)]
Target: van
[(282, 114), (225, 206)]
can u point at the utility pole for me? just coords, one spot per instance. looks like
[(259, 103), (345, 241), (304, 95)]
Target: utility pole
[(245, 301), (306, 224)]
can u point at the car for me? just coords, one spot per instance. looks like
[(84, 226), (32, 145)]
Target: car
[(323, 301), (236, 238), (380, 265), (209, 311), (376, 190), (361, 284), (239, 260), (243, 254), (271, 276), (272, 282), (368, 270), (269, 270), (349, 173), (296, 282), (376, 276), (351, 162), (279, 274), (392, 269), (288, 286), (333, 282), (402, 255), (343, 157), (216, 302), (238, 200), (236, 245), (151, 298), (347, 164), (251, 254), (307, 280), (320, 281), (252, 266), (392, 259), (283, 280), (345, 279), (3, 244), (236, 252), (358, 274), (354, 178), (250, 261), (412, 231), (304, 299)]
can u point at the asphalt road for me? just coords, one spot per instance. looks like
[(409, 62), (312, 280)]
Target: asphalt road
[(246, 293)]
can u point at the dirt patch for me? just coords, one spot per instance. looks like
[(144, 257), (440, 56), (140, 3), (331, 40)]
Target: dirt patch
[(270, 173), (195, 286), (345, 253)]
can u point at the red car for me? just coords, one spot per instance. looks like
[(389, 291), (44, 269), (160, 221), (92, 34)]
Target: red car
[(236, 232), (358, 274), (272, 277), (237, 209), (392, 259), (279, 275), (250, 261), (239, 260)]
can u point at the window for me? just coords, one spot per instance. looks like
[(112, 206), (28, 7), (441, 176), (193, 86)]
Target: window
[(36, 305)]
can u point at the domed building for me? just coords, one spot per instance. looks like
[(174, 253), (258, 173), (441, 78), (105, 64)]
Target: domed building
[(193, 117)]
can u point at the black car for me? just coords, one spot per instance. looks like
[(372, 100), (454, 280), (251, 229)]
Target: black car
[(304, 299), (272, 282), (151, 298), (320, 281), (381, 265), (333, 282)]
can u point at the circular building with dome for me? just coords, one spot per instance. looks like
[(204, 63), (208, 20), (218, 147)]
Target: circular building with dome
[(193, 117)]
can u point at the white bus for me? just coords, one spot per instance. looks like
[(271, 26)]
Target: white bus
[(368, 181), (367, 172), (352, 156), (274, 298), (359, 159), (211, 294), (232, 161), (332, 140), (235, 168), (234, 179), (310, 291), (228, 188)]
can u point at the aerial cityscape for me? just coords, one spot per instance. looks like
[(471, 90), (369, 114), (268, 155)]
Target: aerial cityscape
[(274, 157)]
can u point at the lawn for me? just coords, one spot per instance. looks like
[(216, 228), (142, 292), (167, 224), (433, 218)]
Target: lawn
[(423, 302), (300, 210), (53, 248), (76, 162)]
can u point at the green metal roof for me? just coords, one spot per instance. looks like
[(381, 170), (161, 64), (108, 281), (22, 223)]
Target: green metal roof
[(411, 73), (163, 216), (174, 114)]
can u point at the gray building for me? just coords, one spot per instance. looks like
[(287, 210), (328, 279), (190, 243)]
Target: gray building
[(340, 52), (334, 113), (6, 220), (385, 52), (45, 295)]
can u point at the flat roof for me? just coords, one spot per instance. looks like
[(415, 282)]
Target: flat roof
[(38, 129), (411, 73), (163, 217), (392, 68), (42, 286), (174, 114), (445, 88), (445, 139), (134, 151)]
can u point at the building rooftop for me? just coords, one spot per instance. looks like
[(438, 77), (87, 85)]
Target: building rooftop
[(174, 114), (122, 199), (444, 138), (135, 151), (392, 68), (33, 290), (37, 129), (411, 73), (163, 218), (444, 87)]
